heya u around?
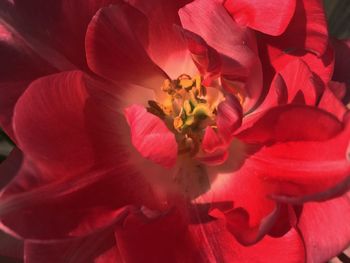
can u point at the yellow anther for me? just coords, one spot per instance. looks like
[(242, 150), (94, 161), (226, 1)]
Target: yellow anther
[(167, 106), (198, 81), (167, 86), (190, 120), (178, 123), (187, 107), (186, 83)]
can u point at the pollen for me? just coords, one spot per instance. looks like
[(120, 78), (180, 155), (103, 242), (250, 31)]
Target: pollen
[(187, 110)]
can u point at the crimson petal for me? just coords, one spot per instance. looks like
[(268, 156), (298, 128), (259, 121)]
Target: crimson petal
[(125, 60)]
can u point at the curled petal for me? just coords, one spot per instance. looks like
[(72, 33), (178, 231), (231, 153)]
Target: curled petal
[(151, 137), (271, 17), (125, 60), (229, 117)]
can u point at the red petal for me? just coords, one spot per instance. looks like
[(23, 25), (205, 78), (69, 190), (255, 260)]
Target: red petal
[(172, 238), (322, 66), (61, 24), (237, 47), (151, 137), (309, 156), (211, 140), (229, 117), (10, 247), (9, 94), (307, 29), (299, 78), (292, 123), (68, 113), (329, 102), (338, 89), (80, 250), (115, 46), (270, 17), (325, 228), (205, 57), (306, 170), (220, 246), (164, 239), (165, 45), (248, 222)]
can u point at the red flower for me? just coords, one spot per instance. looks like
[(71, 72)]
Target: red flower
[(186, 136)]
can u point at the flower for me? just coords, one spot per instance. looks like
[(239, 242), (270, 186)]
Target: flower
[(202, 141)]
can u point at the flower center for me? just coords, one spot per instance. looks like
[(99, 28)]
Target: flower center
[(186, 110)]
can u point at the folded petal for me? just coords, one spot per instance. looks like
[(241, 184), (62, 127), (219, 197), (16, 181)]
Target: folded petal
[(78, 160), (229, 117), (237, 47), (299, 82), (205, 57), (325, 228), (303, 158), (329, 102), (271, 17), (165, 44), (173, 237), (115, 42), (307, 30), (151, 137), (292, 123)]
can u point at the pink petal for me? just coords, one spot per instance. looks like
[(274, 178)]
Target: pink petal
[(270, 17), (151, 137), (125, 60), (325, 228)]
